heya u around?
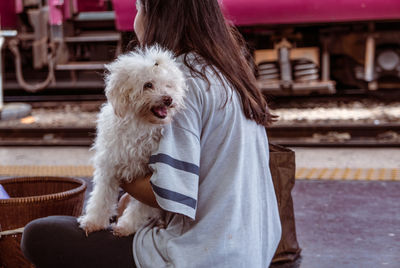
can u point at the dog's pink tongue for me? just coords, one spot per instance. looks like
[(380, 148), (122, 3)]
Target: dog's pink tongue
[(161, 111)]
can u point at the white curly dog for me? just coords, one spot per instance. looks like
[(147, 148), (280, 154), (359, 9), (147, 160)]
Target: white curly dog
[(144, 89)]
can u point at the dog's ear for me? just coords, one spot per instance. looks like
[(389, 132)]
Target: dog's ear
[(116, 89)]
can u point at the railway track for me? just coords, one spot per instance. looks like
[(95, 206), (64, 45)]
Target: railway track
[(94, 91), (54, 136), (55, 98), (98, 95), (363, 135), (360, 135)]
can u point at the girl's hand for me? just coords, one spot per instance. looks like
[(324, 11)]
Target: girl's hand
[(141, 190)]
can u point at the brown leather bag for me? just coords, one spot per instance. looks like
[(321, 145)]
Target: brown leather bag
[(283, 170)]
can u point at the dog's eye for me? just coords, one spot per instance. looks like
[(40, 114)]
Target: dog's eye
[(148, 85)]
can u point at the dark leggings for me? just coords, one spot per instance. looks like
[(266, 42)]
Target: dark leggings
[(57, 241)]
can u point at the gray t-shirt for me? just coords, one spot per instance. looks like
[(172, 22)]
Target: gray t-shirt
[(211, 174)]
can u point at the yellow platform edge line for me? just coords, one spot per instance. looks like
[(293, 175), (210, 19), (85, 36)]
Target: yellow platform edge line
[(72, 171), (302, 173), (377, 174)]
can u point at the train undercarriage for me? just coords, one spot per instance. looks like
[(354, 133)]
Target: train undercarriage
[(349, 57), (300, 59)]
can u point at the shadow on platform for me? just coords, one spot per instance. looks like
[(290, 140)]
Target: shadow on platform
[(347, 224)]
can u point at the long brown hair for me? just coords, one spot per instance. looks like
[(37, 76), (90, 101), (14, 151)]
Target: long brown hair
[(199, 26)]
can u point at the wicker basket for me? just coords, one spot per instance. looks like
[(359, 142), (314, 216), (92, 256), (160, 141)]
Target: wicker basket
[(32, 198)]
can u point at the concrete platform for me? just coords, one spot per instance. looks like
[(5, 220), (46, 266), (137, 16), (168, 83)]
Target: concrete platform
[(347, 157), (305, 157), (312, 163), (340, 224), (45, 156), (347, 224)]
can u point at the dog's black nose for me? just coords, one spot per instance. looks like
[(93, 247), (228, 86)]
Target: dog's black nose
[(167, 100)]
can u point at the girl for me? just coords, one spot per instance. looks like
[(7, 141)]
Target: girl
[(210, 172)]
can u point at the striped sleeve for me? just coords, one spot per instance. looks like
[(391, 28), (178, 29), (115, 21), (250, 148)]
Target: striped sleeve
[(175, 164)]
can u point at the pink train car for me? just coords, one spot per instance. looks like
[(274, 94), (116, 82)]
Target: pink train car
[(344, 34), (300, 46), (8, 15), (268, 12)]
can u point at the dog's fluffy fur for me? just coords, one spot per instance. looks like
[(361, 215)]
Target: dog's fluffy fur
[(144, 90)]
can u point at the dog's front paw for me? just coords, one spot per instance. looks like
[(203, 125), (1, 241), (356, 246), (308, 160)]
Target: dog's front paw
[(122, 230), (90, 225)]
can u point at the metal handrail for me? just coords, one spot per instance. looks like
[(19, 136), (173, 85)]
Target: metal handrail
[(3, 34), (2, 39), (13, 45)]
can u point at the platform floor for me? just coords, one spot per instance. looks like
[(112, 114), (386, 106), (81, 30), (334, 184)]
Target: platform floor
[(340, 223), (312, 163), (347, 224), (305, 157)]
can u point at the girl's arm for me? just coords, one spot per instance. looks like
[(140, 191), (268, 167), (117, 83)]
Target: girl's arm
[(141, 190)]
